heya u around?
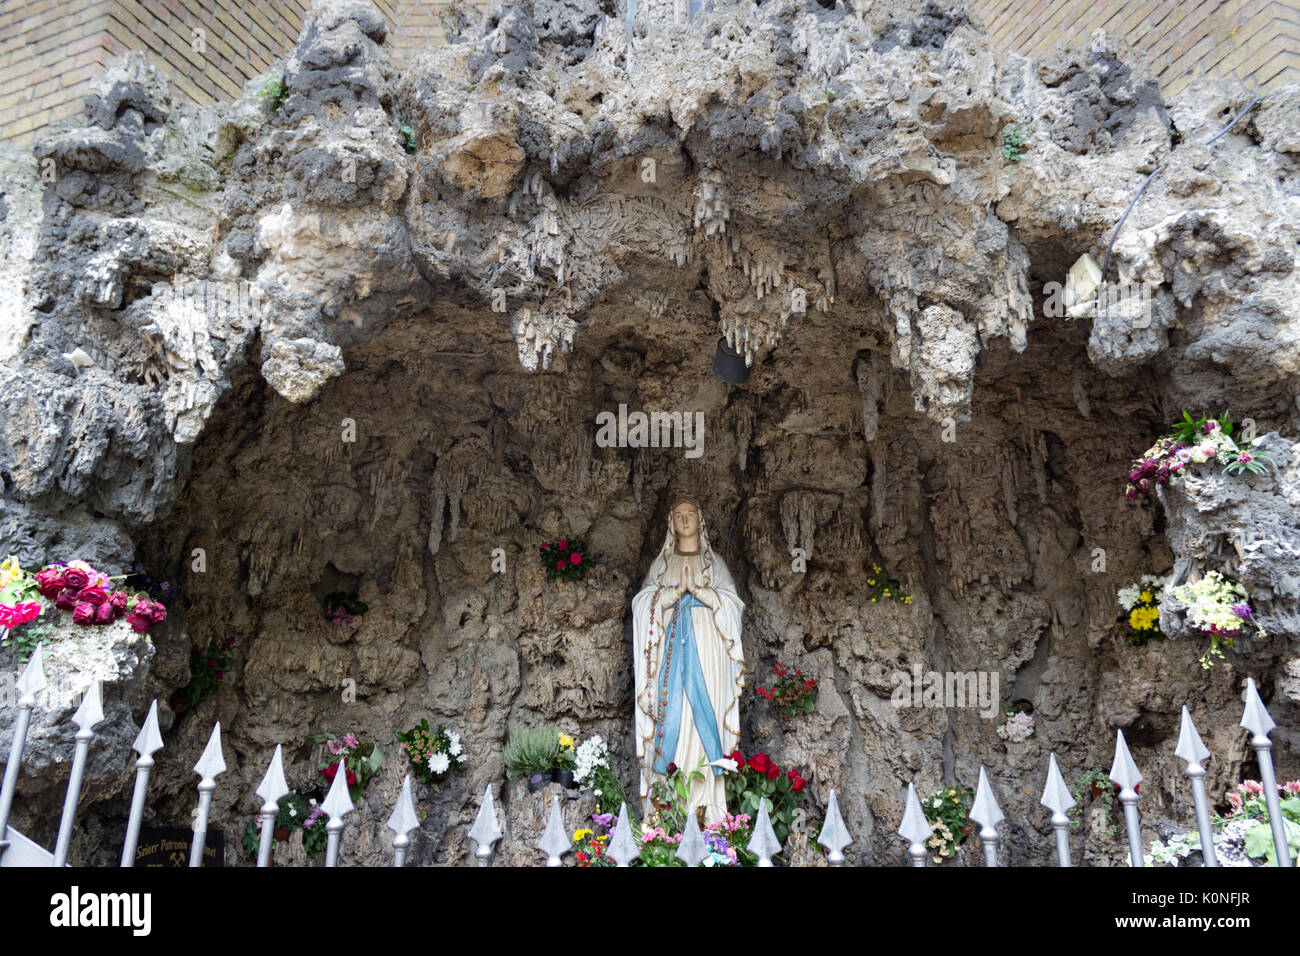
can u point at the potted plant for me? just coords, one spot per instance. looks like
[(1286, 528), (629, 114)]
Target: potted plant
[(315, 834), (433, 754), (948, 811), (564, 763), (360, 757), (792, 693), (564, 560), (532, 754)]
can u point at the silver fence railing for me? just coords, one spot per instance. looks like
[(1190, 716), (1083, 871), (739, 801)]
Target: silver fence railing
[(18, 850)]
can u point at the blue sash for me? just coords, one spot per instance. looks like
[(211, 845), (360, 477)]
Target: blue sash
[(684, 677)]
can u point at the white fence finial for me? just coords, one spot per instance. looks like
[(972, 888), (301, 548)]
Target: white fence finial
[(32, 681), (692, 850), (622, 845), (1194, 753), (1259, 723), (763, 843), (337, 803), (272, 789), (835, 835), (915, 829), (147, 742), (485, 831), (210, 764), (988, 815), (555, 842), (1057, 798), (402, 822), (87, 716), (91, 710), (1124, 772)]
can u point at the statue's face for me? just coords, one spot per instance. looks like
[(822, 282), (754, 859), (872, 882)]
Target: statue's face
[(686, 520)]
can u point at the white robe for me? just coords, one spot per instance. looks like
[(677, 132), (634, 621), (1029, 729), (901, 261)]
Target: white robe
[(718, 644)]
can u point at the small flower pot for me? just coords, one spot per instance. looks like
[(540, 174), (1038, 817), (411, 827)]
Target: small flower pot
[(563, 777), (281, 834), (537, 781), (1096, 790)]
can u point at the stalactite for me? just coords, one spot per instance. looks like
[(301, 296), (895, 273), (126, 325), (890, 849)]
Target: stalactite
[(868, 375), (437, 505), (799, 520), (744, 432), (1009, 490), (457, 484)]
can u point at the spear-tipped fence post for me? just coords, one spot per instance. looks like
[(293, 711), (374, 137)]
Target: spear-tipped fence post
[(337, 803), (835, 835), (29, 685), (692, 850), (555, 842), (147, 743), (622, 844), (210, 764), (485, 831), (1125, 773), (1259, 723), (87, 716), (1193, 750), (986, 812), (1057, 798), (272, 789), (764, 844), (915, 829), (402, 822)]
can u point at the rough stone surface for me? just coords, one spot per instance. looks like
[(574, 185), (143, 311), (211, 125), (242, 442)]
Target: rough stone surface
[(258, 286)]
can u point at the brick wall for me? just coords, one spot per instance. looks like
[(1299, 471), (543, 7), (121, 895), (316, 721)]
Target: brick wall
[(50, 48), (1256, 41)]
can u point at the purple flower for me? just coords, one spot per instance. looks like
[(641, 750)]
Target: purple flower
[(603, 819), (1242, 611)]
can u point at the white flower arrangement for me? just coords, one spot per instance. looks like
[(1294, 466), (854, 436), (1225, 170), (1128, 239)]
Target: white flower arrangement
[(1018, 728), (591, 753), (1217, 606), (439, 762)]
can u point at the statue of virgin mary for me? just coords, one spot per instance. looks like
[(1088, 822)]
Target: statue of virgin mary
[(688, 661)]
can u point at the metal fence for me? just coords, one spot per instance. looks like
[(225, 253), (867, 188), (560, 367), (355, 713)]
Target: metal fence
[(18, 850)]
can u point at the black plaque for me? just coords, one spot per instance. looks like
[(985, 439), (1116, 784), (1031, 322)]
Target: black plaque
[(170, 846)]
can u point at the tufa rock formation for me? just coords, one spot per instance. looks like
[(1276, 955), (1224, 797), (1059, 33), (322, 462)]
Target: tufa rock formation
[(353, 332)]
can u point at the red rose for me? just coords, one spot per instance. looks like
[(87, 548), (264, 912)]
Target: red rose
[(737, 756), (66, 599), (773, 771), (119, 600), (759, 763), (92, 595), (575, 558), (139, 622), (564, 545), (559, 565), (352, 779), (157, 612), (50, 581), (83, 613), (105, 614), (329, 772), (799, 784), (75, 578)]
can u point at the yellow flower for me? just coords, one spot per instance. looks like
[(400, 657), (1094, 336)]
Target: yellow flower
[(566, 741), (580, 834), (1144, 618), (951, 792), (871, 580), (1145, 597), (602, 838), (873, 600)]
